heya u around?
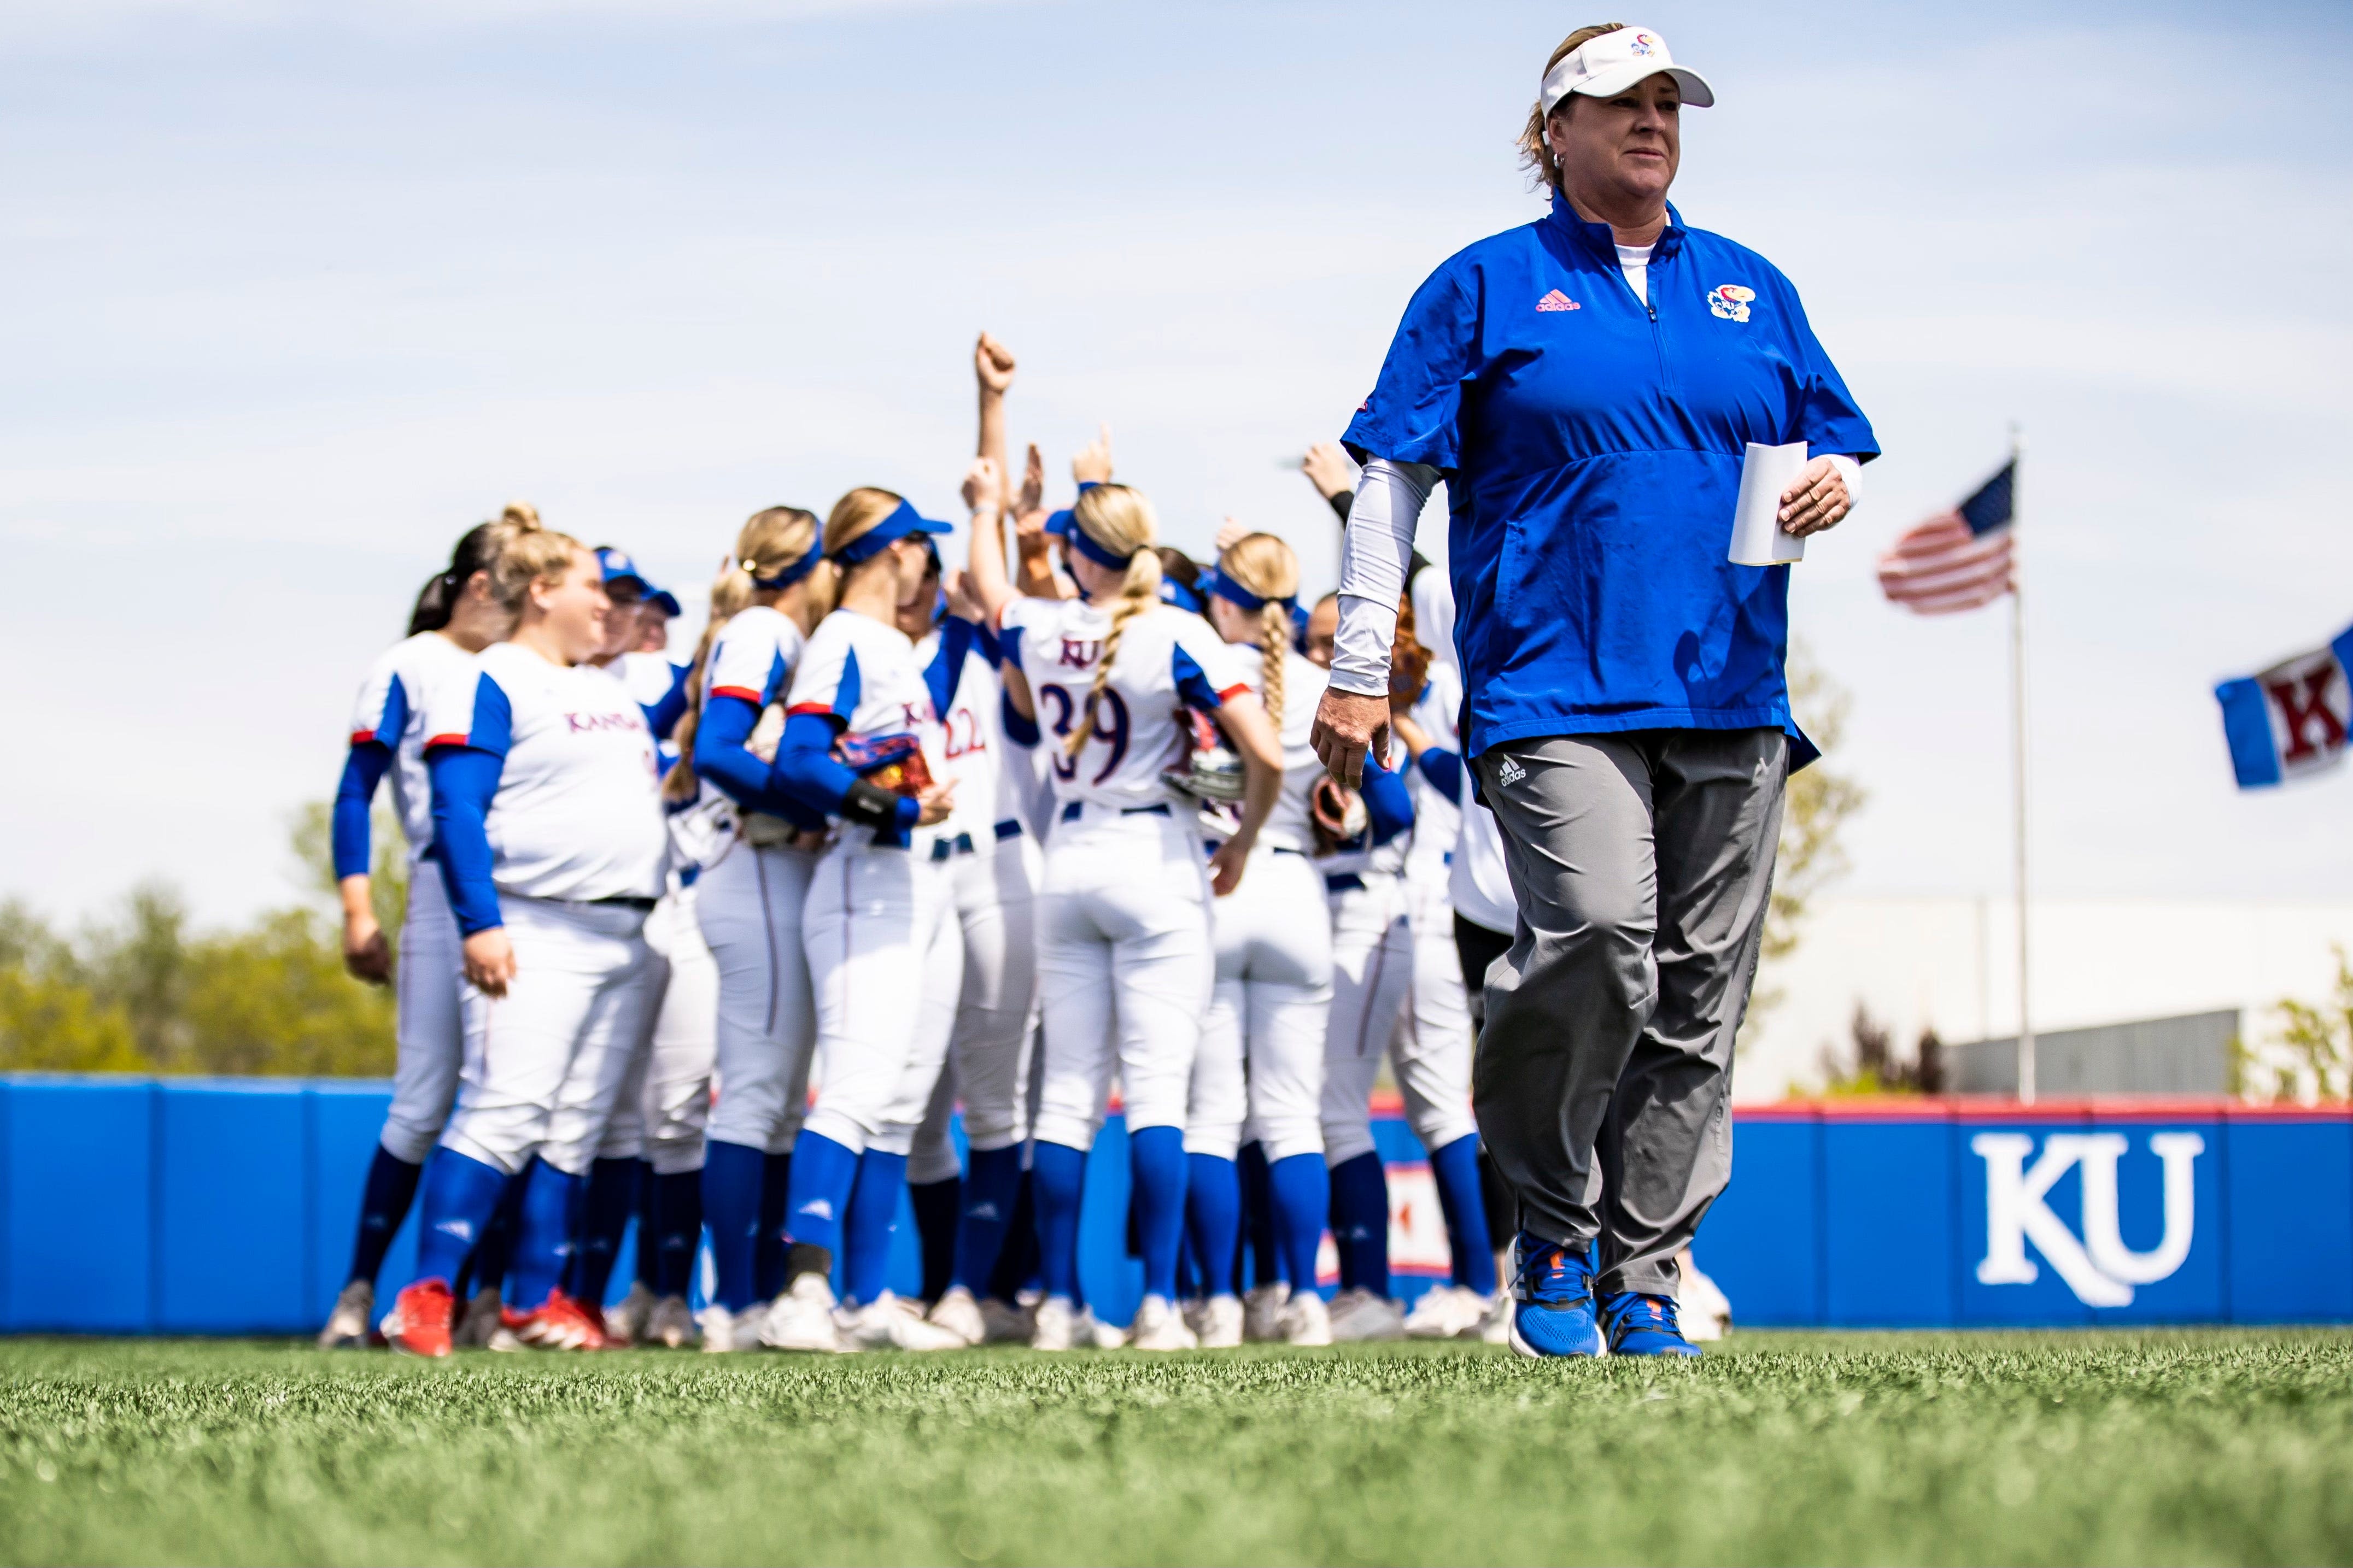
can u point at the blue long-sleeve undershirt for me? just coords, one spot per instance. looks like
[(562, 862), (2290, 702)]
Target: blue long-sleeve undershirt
[(465, 781), (1386, 802), (1444, 769), (662, 717), (751, 782), (355, 797), (807, 769)]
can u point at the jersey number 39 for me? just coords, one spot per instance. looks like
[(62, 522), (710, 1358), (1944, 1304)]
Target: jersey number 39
[(1111, 729)]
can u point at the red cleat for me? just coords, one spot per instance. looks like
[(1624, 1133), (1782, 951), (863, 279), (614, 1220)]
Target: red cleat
[(561, 1323), (421, 1318)]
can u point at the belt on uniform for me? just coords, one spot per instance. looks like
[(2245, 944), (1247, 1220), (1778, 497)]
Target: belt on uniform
[(621, 900), (627, 902), (962, 844), (1077, 809), (1343, 882)]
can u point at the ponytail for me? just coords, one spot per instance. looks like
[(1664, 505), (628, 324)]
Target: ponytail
[(478, 550), (1263, 566), (773, 544), (1119, 521)]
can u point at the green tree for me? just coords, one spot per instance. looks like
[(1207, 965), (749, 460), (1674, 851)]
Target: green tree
[(2318, 1039), (273, 999), (1819, 800)]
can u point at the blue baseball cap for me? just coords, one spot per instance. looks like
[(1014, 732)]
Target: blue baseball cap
[(619, 568), (662, 599)]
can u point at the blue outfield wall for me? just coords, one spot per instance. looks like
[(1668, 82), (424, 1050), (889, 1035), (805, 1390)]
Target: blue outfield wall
[(209, 1206)]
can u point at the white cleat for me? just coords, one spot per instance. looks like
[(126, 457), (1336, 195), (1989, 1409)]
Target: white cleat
[(670, 1325), (1262, 1311), (1306, 1321), (1003, 1325), (802, 1319), (347, 1325), (625, 1320), (1357, 1316), (479, 1322), (1158, 1326), (1495, 1327), (1054, 1325), (1219, 1326), (891, 1322), (1702, 1311), (1093, 1331), (728, 1333), (1445, 1312), (960, 1315)]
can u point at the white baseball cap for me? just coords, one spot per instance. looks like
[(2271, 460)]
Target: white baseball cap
[(1608, 65)]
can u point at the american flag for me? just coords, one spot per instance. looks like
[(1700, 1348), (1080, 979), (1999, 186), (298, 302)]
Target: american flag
[(1957, 560)]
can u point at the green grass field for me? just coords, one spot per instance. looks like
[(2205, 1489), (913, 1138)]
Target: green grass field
[(2092, 1447)]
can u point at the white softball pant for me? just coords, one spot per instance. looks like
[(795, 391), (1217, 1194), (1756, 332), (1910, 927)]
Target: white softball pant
[(748, 903), (430, 1031), (666, 1099), (996, 892), (886, 965), (1261, 1055), (1387, 972), (544, 1063), (1124, 970)]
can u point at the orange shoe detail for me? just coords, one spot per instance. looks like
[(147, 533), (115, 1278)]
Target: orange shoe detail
[(562, 1323), (423, 1312)]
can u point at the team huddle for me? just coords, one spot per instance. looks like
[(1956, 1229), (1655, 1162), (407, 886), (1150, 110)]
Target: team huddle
[(727, 947)]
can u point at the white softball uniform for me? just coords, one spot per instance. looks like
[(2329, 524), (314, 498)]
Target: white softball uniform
[(665, 1101), (748, 902), (885, 951), (1124, 965), (579, 852), (429, 1036), (1262, 1053)]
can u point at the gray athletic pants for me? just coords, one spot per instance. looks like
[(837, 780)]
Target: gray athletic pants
[(1641, 863)]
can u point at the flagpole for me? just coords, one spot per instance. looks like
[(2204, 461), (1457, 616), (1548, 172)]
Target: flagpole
[(2017, 774)]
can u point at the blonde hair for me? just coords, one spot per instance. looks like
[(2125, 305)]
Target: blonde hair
[(770, 540), (1264, 564), (853, 517), (1119, 519), (531, 554), (1536, 154)]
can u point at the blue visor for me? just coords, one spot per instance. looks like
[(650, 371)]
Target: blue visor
[(789, 574), (1226, 588), (619, 568), (887, 533), (1059, 521), (1172, 592), (1102, 555)]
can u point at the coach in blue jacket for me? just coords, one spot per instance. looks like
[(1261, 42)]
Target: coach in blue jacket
[(1585, 385)]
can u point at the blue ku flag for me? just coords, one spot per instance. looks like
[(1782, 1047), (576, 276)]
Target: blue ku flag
[(2291, 720)]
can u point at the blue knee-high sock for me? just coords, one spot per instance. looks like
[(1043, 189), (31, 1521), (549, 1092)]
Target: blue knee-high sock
[(1303, 1197), (1258, 1214), (1058, 1178), (486, 1266), (990, 1190), (648, 1265), (1360, 1222), (384, 1203), (731, 1176), (1456, 1169), (457, 1199), (676, 1226), (769, 1253), (872, 1216), (817, 1196), (546, 1232), (1213, 1219), (1156, 1160), (1018, 1260), (610, 1198), (936, 1206)]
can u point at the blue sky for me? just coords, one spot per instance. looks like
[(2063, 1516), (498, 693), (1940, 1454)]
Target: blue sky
[(299, 291)]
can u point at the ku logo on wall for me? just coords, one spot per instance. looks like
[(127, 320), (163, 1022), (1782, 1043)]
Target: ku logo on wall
[(2034, 1186)]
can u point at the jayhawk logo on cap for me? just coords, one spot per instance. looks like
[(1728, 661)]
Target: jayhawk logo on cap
[(1643, 44), (1730, 300)]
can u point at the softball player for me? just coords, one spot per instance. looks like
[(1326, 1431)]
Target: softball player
[(455, 616), (748, 902), (863, 743), (548, 824), (993, 863), (1261, 1051), (1123, 951)]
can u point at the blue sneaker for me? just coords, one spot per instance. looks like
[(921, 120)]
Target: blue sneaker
[(1552, 1296), (1644, 1325)]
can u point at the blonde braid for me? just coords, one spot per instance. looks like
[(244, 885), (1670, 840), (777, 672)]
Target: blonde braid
[(1275, 642), (1138, 592), (1120, 520)]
